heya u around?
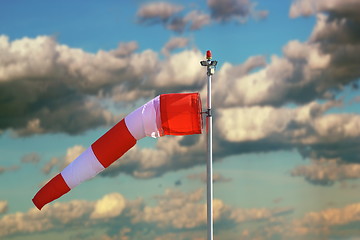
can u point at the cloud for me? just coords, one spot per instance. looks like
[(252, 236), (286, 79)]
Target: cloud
[(64, 215), (309, 129), (256, 214), (109, 206), (56, 216), (327, 223), (174, 43), (171, 16), (238, 10), (50, 165), (292, 125), (65, 86), (336, 7), (8, 169), (177, 18), (337, 33), (299, 77), (169, 154), (197, 19), (3, 207), (173, 77), (31, 158), (229, 75), (333, 216), (56, 81), (189, 213), (125, 49), (61, 162), (162, 13), (217, 177), (129, 218), (316, 69), (327, 171), (156, 12), (71, 154)]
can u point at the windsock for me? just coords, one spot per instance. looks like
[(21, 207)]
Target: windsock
[(167, 114)]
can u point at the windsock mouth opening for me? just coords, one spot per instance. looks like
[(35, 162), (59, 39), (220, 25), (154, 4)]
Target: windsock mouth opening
[(181, 113)]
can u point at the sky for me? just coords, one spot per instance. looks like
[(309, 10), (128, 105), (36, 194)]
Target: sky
[(286, 117)]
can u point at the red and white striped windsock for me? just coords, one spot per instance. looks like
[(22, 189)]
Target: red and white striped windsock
[(167, 114)]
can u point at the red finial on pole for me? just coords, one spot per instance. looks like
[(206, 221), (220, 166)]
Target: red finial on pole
[(208, 55)]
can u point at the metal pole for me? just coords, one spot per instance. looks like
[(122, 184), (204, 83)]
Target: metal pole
[(209, 167), (210, 67)]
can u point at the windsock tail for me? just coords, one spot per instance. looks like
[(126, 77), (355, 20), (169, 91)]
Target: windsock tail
[(54, 189)]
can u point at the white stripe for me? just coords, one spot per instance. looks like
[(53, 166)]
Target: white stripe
[(134, 124), (84, 167), (145, 121)]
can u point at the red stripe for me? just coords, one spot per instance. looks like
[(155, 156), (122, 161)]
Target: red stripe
[(180, 113), (54, 189), (113, 144)]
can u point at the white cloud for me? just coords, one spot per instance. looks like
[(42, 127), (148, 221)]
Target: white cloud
[(173, 212), (3, 207), (109, 206), (180, 71), (71, 154), (176, 209), (297, 77), (333, 216), (55, 216), (294, 125)]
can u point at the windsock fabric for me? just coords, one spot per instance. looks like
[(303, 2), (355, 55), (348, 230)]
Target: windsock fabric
[(167, 114)]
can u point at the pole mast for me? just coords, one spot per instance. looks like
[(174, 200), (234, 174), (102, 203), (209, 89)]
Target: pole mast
[(210, 68)]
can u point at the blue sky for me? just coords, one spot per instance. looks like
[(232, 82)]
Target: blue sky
[(286, 124)]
